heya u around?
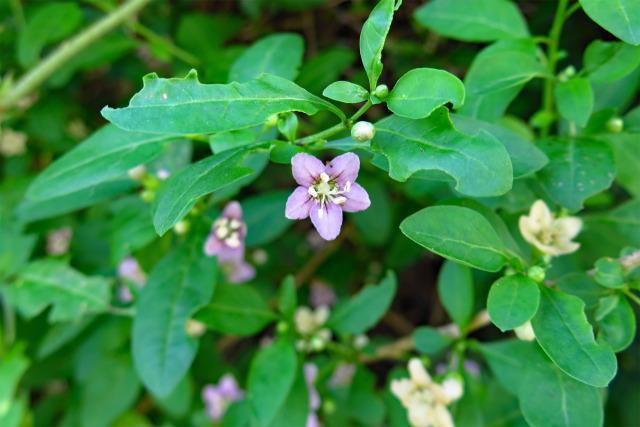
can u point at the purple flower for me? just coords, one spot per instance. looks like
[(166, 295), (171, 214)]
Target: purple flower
[(326, 191), (217, 398), (226, 241)]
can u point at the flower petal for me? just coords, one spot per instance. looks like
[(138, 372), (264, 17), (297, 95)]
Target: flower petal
[(306, 169), (357, 199), (298, 204), (232, 210), (329, 225), (344, 168)]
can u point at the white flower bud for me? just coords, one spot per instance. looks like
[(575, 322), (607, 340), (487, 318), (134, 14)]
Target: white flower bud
[(363, 131)]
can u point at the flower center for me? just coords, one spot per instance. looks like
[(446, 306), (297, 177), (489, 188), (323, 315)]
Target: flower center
[(228, 230), (325, 191)]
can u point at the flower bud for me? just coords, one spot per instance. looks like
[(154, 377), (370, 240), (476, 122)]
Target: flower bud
[(182, 227), (363, 131), (381, 91), (615, 125), (137, 173), (536, 273)]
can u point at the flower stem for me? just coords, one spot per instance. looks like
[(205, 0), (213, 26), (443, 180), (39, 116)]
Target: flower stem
[(554, 40), (334, 129), (67, 50)]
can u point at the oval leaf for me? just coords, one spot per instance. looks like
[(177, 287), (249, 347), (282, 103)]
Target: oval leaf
[(512, 301), (422, 90), (457, 233), (562, 330)]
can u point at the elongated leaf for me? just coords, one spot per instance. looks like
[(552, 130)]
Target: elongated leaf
[(364, 309), (184, 189), (526, 158), (605, 62), (52, 282), (479, 163), (621, 18), (186, 106), (475, 21), (278, 54), (578, 169), (512, 301), (179, 283), (616, 323), (346, 92), (457, 233), (455, 288), (374, 33), (575, 100), (236, 309), (271, 376), (419, 92), (108, 153), (564, 333)]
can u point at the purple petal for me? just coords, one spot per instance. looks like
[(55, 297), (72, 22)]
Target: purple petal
[(212, 246), (357, 199), (298, 204), (344, 168), (306, 169), (242, 272), (232, 210), (329, 225)]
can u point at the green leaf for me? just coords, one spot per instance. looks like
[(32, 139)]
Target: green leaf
[(605, 62), (578, 169), (233, 139), (287, 297), (512, 301), (49, 23), (236, 309), (429, 341), (616, 323), (575, 100), (108, 153), (457, 233), (476, 21), (619, 17), (583, 286), (364, 310), (111, 389), (348, 92), (186, 106), (52, 282), (526, 158), (179, 284), (479, 163), (264, 216), (564, 333), (420, 91), (609, 273), (184, 188), (271, 376), (374, 33), (34, 210), (278, 54), (131, 227), (455, 288)]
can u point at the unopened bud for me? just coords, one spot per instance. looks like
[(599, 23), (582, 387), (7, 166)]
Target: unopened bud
[(536, 273), (363, 131), (182, 227), (381, 91), (195, 329), (137, 173), (615, 125)]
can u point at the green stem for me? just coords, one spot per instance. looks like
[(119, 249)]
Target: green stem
[(552, 54), (67, 50), (631, 296), (334, 129)]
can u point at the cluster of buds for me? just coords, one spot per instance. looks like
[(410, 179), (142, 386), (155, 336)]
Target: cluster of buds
[(309, 324), (426, 401), (550, 235)]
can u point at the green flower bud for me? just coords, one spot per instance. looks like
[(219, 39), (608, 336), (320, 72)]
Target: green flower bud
[(615, 125), (381, 91), (536, 273), (363, 131)]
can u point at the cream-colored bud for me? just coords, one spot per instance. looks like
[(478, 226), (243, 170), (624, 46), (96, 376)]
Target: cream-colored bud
[(418, 373), (363, 131), (525, 332)]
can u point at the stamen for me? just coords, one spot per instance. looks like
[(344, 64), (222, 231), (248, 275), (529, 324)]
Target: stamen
[(312, 192), (324, 177), (339, 200)]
